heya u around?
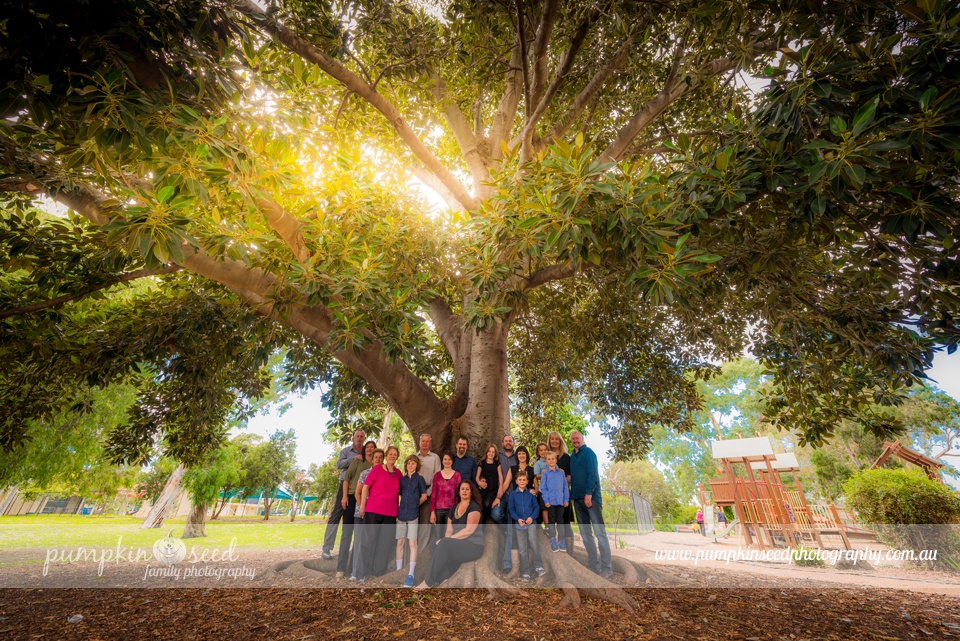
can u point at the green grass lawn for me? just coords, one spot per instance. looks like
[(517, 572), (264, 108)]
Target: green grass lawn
[(71, 531)]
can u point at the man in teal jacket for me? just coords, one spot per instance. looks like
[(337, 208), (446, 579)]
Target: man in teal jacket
[(585, 494)]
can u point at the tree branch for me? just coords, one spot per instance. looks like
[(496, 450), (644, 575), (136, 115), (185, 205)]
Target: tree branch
[(445, 322), (466, 138), (507, 109), (562, 70), (87, 202), (545, 275), (437, 187), (524, 62), (671, 91), (288, 228), (583, 98), (413, 399), (86, 291), (540, 45), (363, 89)]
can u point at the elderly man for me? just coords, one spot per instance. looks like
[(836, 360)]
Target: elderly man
[(347, 455), (585, 494), (463, 463), (429, 466)]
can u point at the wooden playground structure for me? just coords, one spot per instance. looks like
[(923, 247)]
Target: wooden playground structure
[(768, 511), (930, 466)]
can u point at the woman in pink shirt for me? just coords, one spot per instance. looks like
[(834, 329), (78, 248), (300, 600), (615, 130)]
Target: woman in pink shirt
[(378, 507), (443, 496)]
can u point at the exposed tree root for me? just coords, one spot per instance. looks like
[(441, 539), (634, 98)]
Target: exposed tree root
[(568, 572), (633, 575), (572, 576), (487, 565), (571, 596)]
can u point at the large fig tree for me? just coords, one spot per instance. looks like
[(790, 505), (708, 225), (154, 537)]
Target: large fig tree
[(631, 191)]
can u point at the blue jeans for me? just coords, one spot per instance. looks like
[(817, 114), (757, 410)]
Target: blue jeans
[(501, 515), (590, 522)]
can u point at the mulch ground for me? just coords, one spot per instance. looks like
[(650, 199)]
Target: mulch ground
[(458, 615)]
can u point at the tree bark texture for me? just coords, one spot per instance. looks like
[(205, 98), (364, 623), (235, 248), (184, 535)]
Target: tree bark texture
[(487, 417), (196, 521), (166, 501)]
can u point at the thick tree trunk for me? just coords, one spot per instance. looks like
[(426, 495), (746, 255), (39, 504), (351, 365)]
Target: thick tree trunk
[(166, 500), (195, 522), (487, 417)]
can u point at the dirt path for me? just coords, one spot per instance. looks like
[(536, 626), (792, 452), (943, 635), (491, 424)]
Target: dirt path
[(759, 574)]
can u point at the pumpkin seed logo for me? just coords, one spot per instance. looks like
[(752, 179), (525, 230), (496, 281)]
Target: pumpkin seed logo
[(169, 550)]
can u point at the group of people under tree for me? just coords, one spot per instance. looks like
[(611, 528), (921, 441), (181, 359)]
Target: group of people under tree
[(383, 505)]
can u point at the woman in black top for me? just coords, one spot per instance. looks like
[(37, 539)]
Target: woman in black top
[(522, 467), (489, 471), (464, 540)]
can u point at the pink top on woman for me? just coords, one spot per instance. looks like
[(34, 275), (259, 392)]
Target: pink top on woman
[(384, 498), (444, 493)]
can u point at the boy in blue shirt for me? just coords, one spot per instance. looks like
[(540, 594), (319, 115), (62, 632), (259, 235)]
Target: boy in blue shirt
[(523, 510), (413, 492), (556, 496)]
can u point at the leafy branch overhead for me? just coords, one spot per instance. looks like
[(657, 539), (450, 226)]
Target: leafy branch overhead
[(622, 205)]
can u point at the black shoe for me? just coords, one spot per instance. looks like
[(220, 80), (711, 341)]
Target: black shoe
[(326, 555)]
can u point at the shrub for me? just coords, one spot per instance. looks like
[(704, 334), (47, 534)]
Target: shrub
[(685, 514), (910, 510), (901, 496), (806, 557)]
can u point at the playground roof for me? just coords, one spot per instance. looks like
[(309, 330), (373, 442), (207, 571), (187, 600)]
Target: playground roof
[(929, 465), (743, 449), (786, 462)]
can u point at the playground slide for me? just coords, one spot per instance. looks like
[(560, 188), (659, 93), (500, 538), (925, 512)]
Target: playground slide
[(727, 530)]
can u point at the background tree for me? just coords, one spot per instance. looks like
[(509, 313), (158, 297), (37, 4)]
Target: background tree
[(269, 464), (238, 450), (531, 430), (644, 479), (65, 453), (298, 482), (205, 483), (325, 480)]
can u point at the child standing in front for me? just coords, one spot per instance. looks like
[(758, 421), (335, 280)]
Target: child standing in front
[(538, 467), (523, 510), (556, 496), (413, 492)]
